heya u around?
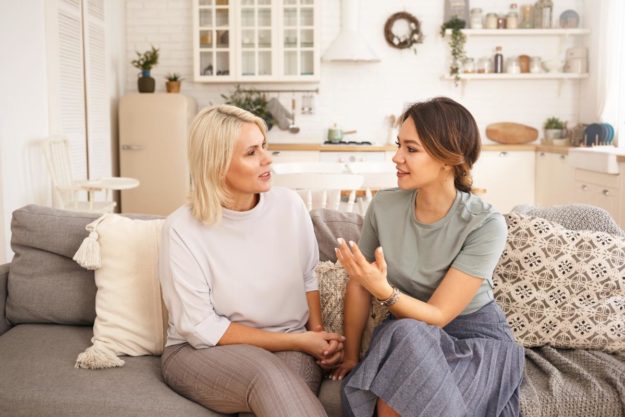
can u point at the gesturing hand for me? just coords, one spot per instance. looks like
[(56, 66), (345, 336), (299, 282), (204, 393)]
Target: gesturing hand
[(372, 276)]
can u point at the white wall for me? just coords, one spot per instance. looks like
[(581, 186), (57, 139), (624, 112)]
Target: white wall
[(24, 104), (361, 95), (23, 110)]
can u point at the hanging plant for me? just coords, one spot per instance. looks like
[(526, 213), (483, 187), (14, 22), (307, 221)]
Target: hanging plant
[(456, 45), (406, 39), (251, 100)]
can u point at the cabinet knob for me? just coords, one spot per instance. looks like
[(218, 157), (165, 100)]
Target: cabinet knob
[(503, 154), (132, 147), (542, 154), (584, 187), (563, 157), (275, 153), (606, 193)]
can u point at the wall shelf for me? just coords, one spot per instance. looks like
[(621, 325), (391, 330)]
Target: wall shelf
[(524, 76), (522, 32)]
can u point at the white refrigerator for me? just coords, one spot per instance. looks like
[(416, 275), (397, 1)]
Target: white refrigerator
[(153, 131)]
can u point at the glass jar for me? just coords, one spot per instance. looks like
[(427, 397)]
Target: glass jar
[(527, 16), (501, 22), (512, 19), (512, 65), (484, 65), (546, 14), (536, 65), (468, 66), (476, 18), (491, 21)]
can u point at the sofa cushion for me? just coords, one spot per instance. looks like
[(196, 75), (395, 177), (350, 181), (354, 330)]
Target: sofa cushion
[(45, 285), (131, 319), (332, 285), (575, 217), (38, 378), (4, 277), (560, 287), (330, 225)]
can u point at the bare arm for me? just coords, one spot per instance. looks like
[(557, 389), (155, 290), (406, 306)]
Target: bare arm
[(314, 311), (357, 306), (316, 344), (454, 293)]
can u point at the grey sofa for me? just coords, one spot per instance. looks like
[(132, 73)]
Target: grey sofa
[(47, 309)]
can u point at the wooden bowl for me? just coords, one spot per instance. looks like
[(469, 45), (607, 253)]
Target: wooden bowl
[(510, 133)]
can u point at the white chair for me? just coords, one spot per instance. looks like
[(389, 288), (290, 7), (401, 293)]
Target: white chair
[(67, 191), (377, 175), (301, 167), (322, 190)]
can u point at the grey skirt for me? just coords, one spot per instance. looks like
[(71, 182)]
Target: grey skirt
[(472, 367)]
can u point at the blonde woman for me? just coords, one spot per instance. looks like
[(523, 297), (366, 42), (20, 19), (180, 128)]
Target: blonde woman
[(236, 268)]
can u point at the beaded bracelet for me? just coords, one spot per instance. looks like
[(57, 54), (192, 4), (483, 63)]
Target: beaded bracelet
[(390, 300)]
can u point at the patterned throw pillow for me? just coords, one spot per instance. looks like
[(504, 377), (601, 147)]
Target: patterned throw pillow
[(561, 287), (332, 284)]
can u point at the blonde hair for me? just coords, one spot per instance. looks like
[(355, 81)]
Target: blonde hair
[(210, 147)]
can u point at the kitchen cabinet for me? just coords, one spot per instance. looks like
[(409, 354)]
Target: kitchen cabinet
[(294, 156), (554, 179), (500, 36), (507, 177), (601, 190), (255, 41)]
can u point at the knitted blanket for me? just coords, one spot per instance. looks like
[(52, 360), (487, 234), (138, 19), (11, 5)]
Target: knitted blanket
[(573, 383)]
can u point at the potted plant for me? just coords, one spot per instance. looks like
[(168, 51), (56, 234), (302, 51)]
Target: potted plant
[(553, 129), (145, 62), (173, 82), (456, 44), (251, 100)]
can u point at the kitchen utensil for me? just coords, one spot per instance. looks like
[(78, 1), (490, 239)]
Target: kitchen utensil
[(335, 134), (593, 135), (293, 128), (511, 133), (569, 19)]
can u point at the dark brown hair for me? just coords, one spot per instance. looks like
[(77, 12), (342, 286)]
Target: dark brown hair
[(449, 134)]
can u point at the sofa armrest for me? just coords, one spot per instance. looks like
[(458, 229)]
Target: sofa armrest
[(4, 278)]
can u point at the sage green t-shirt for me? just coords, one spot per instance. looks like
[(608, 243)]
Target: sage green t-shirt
[(470, 238)]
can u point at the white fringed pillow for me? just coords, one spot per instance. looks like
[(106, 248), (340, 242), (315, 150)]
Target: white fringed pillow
[(332, 285), (130, 316), (561, 287)]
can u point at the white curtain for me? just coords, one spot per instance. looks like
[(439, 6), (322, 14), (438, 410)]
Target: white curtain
[(611, 67)]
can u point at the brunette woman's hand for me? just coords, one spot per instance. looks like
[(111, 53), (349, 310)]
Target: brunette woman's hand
[(343, 369), (372, 276)]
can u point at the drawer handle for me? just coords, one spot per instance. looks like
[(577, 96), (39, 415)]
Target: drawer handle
[(132, 147), (275, 153), (542, 154), (503, 154), (563, 157), (606, 193)]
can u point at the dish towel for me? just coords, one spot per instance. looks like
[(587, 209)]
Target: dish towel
[(279, 113)]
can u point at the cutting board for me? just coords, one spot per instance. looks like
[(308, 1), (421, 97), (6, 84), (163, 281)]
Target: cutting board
[(511, 133)]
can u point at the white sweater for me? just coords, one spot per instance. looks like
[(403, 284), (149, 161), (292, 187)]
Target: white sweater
[(252, 267)]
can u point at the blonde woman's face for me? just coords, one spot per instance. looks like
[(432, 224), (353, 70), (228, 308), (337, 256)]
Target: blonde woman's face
[(250, 166), (416, 169)]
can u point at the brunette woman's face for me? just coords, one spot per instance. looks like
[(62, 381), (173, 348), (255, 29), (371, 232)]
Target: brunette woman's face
[(416, 169), (250, 167)]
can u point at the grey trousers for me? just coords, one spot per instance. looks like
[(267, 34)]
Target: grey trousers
[(245, 379)]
